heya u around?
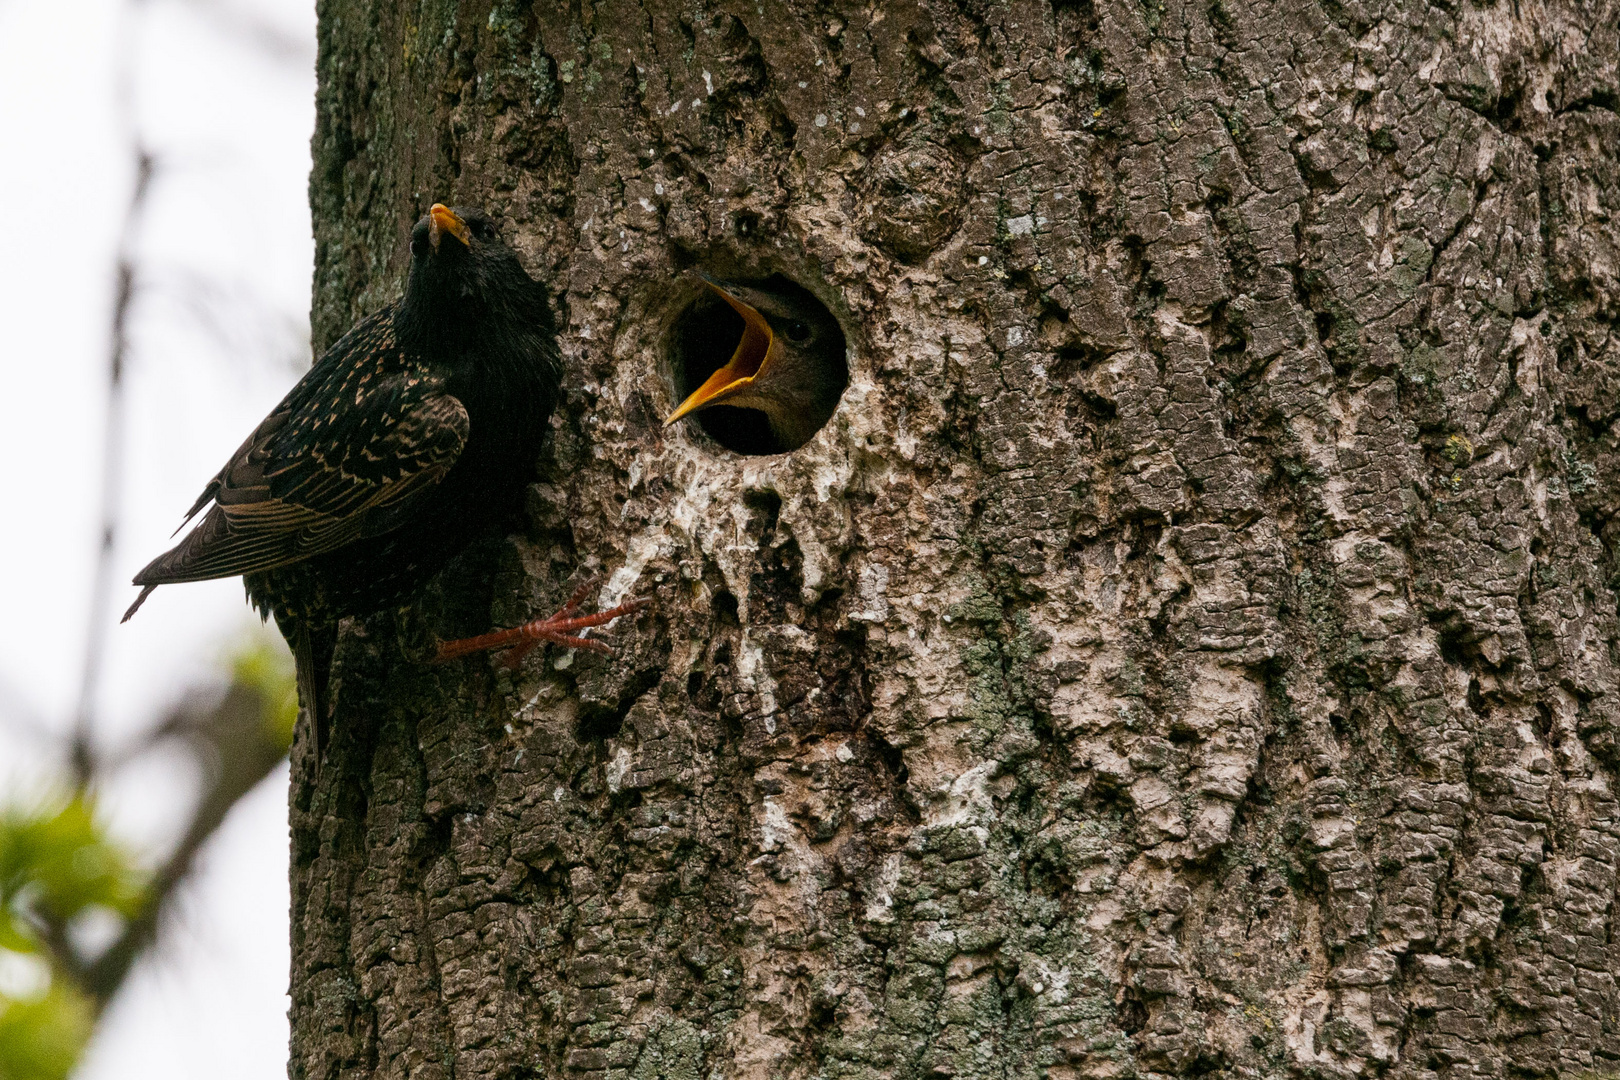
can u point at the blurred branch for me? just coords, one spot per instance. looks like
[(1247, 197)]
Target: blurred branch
[(239, 321), (112, 474), (60, 870), (81, 749), (276, 43), (56, 864), (240, 740), (266, 36)]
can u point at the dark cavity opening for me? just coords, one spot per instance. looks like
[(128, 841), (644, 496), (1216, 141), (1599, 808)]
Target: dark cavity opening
[(708, 332)]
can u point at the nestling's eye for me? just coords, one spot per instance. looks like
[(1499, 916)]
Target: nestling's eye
[(797, 331), (419, 245)]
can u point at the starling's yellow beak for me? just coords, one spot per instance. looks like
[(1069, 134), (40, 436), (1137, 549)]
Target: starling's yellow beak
[(754, 353), (441, 220)]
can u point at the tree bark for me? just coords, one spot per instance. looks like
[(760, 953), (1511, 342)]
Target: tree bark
[(1190, 647)]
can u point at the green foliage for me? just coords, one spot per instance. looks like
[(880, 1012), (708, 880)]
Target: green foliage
[(57, 866), (41, 1037), (60, 871), (56, 863), (265, 666)]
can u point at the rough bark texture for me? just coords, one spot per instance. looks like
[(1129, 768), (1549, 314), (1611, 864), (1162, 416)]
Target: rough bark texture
[(1190, 648)]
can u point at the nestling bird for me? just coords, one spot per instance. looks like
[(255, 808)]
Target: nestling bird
[(789, 363), (408, 439)]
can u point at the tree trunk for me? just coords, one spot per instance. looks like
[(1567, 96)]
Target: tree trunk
[(1189, 648)]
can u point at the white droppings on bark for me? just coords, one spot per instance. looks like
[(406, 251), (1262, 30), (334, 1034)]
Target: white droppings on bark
[(880, 893), (618, 767), (874, 588)]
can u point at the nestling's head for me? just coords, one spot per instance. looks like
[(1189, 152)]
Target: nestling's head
[(789, 363), (462, 275)]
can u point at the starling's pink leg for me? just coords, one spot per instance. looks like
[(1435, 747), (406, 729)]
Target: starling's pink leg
[(559, 629)]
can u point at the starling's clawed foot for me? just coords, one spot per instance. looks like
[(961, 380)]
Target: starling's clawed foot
[(559, 629)]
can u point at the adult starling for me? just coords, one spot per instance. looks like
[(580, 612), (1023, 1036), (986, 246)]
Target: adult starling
[(409, 438), (789, 363)]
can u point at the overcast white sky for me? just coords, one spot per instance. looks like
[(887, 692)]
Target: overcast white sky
[(218, 336)]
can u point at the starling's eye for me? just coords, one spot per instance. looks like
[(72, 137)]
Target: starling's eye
[(796, 331)]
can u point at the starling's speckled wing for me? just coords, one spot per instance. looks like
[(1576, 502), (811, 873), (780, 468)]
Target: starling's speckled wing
[(346, 455)]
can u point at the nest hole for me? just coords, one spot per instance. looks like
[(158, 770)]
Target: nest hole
[(707, 333)]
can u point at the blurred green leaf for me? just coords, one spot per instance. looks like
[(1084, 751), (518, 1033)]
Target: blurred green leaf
[(55, 862), (265, 666), (59, 867), (41, 1038)]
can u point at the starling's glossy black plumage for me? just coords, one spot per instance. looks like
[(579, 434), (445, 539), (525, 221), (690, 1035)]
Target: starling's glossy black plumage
[(410, 437)]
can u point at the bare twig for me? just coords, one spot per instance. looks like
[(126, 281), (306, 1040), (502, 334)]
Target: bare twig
[(112, 476), (81, 749)]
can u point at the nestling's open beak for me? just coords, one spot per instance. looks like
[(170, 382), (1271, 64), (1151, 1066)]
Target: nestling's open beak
[(441, 220), (754, 353)]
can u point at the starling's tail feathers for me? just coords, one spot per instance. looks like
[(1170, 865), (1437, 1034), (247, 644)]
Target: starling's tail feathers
[(179, 563), (312, 651), (139, 600)]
